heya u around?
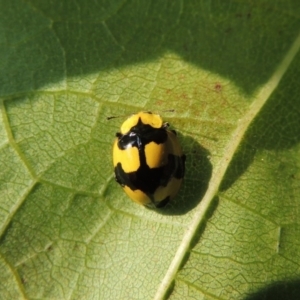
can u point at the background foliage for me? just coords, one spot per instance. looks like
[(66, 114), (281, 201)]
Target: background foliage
[(67, 230)]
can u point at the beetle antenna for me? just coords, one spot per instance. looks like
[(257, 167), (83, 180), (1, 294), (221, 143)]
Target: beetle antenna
[(168, 110), (114, 117)]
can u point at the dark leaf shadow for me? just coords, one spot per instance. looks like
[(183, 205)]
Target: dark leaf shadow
[(276, 128), (198, 173), (62, 40), (282, 290)]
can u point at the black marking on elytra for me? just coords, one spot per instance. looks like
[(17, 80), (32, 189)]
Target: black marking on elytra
[(180, 170), (148, 179), (141, 134)]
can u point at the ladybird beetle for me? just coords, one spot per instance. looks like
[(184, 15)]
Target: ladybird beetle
[(148, 160)]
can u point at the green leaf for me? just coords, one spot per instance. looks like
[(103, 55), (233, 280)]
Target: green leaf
[(229, 69)]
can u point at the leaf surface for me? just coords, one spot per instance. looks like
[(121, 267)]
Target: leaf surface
[(230, 72)]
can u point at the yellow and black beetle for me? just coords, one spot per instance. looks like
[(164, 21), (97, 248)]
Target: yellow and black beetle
[(148, 160)]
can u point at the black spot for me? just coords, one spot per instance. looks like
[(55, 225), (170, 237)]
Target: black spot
[(142, 134), (180, 168), (147, 179), (144, 179)]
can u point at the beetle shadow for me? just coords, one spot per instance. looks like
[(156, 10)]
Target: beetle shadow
[(198, 170), (287, 290)]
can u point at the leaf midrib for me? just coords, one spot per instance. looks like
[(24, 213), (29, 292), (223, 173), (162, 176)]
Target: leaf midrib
[(262, 96)]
